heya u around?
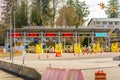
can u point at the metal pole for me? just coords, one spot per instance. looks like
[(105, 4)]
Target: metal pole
[(11, 52), (7, 37), (106, 41), (76, 37), (14, 29), (92, 37), (59, 37), (109, 41), (64, 43), (42, 37), (24, 50)]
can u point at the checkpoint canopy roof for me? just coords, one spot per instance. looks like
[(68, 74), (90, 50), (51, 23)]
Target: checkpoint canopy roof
[(80, 29)]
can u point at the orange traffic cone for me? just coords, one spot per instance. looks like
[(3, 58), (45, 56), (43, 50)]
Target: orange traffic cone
[(100, 51), (47, 56), (83, 53), (38, 56), (74, 54)]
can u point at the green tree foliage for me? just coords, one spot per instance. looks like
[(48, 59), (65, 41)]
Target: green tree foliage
[(55, 5), (82, 11), (6, 8), (70, 2), (36, 17), (116, 5), (67, 16), (41, 12), (22, 21), (19, 10), (76, 10), (86, 42), (46, 12)]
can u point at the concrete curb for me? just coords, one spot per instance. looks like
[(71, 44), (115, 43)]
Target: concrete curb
[(23, 71)]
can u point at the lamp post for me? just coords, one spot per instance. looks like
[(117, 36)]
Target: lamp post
[(14, 27), (11, 52)]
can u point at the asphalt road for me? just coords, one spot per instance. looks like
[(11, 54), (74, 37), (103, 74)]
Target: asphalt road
[(89, 64), (7, 76)]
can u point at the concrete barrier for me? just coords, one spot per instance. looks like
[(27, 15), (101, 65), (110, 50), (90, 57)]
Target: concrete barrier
[(5, 65), (15, 68), (30, 73), (23, 71)]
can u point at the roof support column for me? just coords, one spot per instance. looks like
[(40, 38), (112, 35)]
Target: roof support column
[(92, 37), (25, 37), (42, 37), (7, 37), (106, 41), (76, 37), (64, 42), (109, 44), (59, 37)]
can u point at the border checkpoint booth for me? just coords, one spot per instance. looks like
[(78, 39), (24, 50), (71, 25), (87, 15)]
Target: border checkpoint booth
[(26, 33)]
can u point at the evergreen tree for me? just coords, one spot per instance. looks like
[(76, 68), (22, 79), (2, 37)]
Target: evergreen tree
[(46, 12), (70, 2), (82, 11), (6, 8), (23, 15), (36, 16), (41, 12), (116, 5)]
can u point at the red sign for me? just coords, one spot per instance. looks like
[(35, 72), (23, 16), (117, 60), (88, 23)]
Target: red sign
[(33, 34), (50, 34), (67, 34), (16, 34)]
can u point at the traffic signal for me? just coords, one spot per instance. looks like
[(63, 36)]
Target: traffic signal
[(102, 5), (112, 9)]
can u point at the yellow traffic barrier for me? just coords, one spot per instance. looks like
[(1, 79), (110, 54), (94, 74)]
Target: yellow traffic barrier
[(114, 47), (77, 48), (94, 48), (98, 47), (58, 50), (39, 48)]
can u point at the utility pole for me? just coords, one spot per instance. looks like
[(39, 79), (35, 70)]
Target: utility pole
[(14, 27), (53, 12), (11, 52)]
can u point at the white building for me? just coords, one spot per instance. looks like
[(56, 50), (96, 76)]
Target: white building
[(104, 22), (109, 23)]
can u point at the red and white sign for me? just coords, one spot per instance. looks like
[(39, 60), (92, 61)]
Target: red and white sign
[(34, 34), (50, 34), (68, 34), (16, 34)]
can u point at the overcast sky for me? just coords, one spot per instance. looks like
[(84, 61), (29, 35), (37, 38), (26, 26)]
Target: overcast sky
[(95, 10)]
